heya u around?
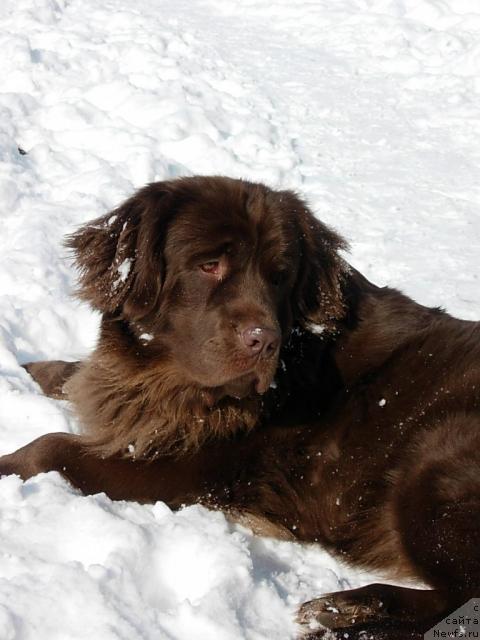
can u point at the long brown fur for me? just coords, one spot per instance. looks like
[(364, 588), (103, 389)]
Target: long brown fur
[(129, 395), (243, 364), (145, 414)]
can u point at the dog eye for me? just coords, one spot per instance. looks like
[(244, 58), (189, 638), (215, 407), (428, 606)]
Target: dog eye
[(213, 267)]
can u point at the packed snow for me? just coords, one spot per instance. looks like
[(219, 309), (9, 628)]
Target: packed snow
[(369, 108)]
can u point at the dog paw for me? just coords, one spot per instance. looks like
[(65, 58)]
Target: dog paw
[(342, 609)]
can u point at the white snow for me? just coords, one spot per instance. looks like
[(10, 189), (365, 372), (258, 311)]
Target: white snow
[(367, 107), (317, 329), (123, 270)]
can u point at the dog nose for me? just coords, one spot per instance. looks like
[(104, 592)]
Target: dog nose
[(260, 340)]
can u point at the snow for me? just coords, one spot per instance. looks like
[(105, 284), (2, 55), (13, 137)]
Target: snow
[(367, 107), (317, 329), (123, 271)]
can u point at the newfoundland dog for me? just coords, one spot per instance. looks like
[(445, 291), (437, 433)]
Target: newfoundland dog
[(244, 365)]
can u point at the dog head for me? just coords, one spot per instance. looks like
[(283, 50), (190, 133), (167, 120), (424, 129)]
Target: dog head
[(213, 273), (205, 277)]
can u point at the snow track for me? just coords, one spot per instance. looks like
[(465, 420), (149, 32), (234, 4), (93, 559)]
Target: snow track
[(367, 107)]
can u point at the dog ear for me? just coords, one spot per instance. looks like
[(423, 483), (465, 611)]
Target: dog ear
[(119, 256), (318, 297)]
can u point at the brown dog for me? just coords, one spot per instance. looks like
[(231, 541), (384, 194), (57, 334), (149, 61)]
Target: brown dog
[(242, 364)]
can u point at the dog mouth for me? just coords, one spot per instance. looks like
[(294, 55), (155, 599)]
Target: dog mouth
[(247, 386), (253, 383), (240, 379)]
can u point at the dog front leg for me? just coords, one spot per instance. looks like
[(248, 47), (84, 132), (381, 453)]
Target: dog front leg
[(175, 481)]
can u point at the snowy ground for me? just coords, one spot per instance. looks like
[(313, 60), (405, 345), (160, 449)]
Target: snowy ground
[(367, 107)]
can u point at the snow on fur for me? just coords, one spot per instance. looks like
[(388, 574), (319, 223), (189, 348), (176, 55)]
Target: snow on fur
[(370, 110)]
